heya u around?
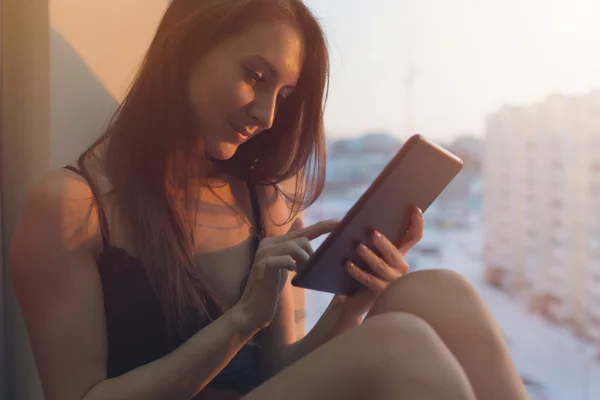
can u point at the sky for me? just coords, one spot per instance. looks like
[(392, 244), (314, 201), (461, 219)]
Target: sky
[(470, 58)]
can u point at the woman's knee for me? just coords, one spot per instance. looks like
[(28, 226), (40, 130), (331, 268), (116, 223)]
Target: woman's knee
[(395, 337), (450, 305), (399, 350), (387, 333), (426, 287)]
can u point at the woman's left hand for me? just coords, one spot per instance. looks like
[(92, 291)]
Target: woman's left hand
[(383, 270)]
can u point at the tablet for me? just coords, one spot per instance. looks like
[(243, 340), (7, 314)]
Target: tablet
[(417, 174)]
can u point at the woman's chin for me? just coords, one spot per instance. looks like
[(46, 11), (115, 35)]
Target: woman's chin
[(223, 151)]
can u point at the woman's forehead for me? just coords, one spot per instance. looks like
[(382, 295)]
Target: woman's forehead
[(279, 44)]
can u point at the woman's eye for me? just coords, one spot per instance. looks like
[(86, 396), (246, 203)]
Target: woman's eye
[(254, 77), (283, 96)]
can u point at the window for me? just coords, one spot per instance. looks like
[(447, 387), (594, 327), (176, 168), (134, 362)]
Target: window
[(527, 144), (556, 203)]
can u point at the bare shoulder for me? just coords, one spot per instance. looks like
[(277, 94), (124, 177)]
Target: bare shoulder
[(54, 272), (58, 188), (58, 212)]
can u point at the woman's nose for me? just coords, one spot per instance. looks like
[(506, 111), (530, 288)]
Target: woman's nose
[(263, 111)]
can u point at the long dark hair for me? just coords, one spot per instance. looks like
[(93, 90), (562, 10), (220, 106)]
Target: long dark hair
[(150, 145)]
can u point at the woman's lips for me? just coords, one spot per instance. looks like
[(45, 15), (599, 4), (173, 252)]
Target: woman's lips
[(242, 134)]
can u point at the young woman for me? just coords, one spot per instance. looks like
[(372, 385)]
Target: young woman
[(158, 265)]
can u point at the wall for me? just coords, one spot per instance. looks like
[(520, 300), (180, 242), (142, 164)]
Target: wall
[(25, 154), (97, 45), (66, 64)]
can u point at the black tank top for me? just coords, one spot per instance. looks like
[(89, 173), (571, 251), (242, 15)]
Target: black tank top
[(136, 328)]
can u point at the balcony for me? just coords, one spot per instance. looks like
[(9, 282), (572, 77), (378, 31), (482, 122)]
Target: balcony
[(545, 304), (593, 310), (594, 292), (555, 282), (593, 330), (593, 269)]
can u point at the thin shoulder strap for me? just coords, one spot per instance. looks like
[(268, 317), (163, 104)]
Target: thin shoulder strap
[(256, 214), (101, 215), (259, 230)]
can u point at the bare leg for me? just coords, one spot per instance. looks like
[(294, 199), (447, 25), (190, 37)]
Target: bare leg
[(390, 356), (453, 308)]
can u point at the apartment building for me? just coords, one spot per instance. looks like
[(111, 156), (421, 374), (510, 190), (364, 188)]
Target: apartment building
[(541, 207)]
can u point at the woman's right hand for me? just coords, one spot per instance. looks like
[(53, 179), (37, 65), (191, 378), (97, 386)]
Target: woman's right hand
[(275, 257)]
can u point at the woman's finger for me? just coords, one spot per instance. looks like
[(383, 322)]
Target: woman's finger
[(311, 232), (377, 265), (271, 263), (372, 282), (389, 252), (415, 232), (290, 248), (305, 245)]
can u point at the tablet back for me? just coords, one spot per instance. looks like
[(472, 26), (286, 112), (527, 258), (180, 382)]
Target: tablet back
[(418, 173)]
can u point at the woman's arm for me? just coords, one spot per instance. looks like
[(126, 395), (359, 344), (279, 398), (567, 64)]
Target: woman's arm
[(59, 290), (281, 347), (280, 343), (279, 340)]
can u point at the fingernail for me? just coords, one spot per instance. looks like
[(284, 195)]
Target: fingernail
[(362, 248), (377, 234)]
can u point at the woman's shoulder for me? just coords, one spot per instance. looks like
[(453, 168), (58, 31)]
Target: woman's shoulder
[(59, 190), (57, 209)]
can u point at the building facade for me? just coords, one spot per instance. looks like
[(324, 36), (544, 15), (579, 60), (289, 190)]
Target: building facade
[(541, 207)]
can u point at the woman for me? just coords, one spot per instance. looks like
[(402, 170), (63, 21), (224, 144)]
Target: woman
[(158, 265)]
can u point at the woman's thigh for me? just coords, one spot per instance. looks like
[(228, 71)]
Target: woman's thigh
[(460, 317), (395, 355)]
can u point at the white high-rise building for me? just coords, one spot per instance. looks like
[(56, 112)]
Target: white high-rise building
[(541, 206)]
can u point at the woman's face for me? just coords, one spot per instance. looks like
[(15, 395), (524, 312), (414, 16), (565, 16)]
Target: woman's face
[(235, 89)]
